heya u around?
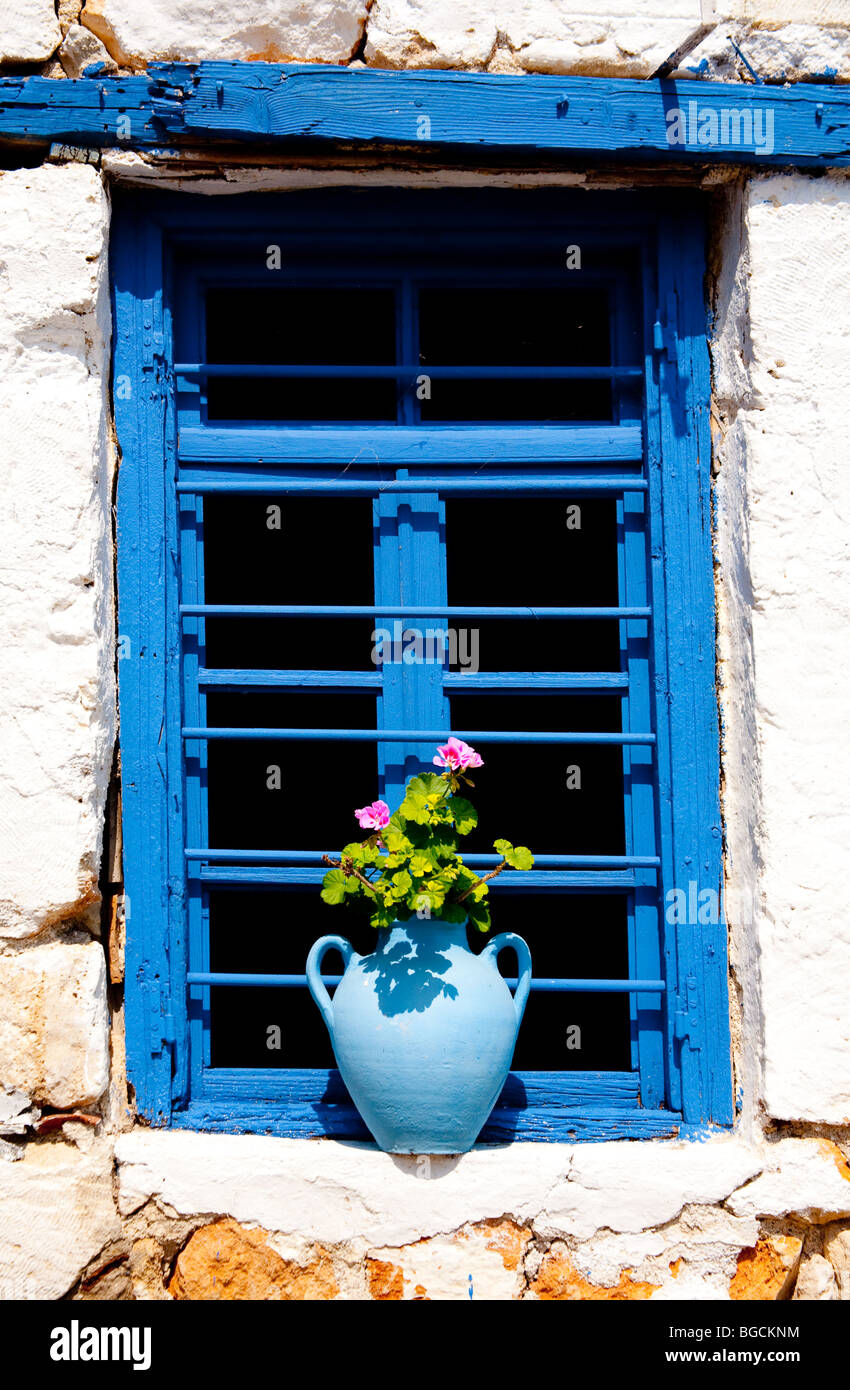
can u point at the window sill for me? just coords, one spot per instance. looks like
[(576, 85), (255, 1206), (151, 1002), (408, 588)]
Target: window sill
[(536, 1107)]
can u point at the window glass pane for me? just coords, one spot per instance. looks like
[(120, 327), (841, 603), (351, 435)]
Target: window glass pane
[(300, 550), (312, 326), (514, 327), (555, 552), (571, 936), (269, 794), (555, 798), (271, 932)]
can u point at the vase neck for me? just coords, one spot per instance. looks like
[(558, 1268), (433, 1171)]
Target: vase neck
[(434, 932)]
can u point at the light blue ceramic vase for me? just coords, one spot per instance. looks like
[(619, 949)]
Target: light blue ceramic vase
[(423, 1031)]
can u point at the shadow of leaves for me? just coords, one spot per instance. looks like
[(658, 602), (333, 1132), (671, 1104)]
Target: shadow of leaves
[(408, 978)]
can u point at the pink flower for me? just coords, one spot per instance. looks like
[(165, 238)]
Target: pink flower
[(458, 755), (374, 817)]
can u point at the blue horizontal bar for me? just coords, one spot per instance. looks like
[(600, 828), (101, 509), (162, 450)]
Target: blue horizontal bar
[(389, 610), (209, 977), (400, 446), (372, 486), (250, 877), (413, 735), (495, 681), (597, 681), (244, 677), (450, 373), (475, 861)]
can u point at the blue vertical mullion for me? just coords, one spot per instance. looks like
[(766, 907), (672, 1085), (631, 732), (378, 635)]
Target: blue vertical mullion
[(203, 780), (622, 588), (641, 804), (654, 290), (626, 323), (387, 589), (190, 303), (412, 571), (195, 767)]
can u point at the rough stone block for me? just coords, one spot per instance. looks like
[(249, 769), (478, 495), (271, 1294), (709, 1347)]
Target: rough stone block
[(227, 1261), (29, 31), (596, 37), (136, 32), (54, 1026), (558, 1278), (836, 1248), (816, 1281), (809, 1178), (767, 1270), (80, 48), (58, 1213)]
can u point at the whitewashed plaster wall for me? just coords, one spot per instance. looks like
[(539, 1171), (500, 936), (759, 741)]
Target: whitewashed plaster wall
[(782, 504), (319, 1219)]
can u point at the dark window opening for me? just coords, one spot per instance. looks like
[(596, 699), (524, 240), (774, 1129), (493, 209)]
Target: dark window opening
[(310, 326), (268, 794), (555, 798), (278, 549), (514, 328), (558, 552)]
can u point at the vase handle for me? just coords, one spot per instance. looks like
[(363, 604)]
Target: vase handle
[(523, 958), (315, 983)]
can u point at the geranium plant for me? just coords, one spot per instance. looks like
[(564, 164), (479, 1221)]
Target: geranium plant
[(409, 865)]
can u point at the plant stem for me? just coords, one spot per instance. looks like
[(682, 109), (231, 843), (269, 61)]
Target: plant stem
[(492, 874), (348, 869)]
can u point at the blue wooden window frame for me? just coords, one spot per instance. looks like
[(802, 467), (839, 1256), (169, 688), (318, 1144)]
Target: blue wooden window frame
[(654, 458), (178, 105)]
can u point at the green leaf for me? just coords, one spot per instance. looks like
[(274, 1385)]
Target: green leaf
[(397, 842), (421, 864), (415, 807), (443, 841), (403, 882), (383, 916), (334, 886), (428, 784), (464, 814), (479, 914), (447, 875), (519, 858), (454, 912)]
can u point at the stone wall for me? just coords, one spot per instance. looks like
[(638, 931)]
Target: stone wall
[(96, 1205), (792, 40)]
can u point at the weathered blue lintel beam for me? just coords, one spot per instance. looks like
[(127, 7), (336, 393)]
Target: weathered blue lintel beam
[(178, 105)]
